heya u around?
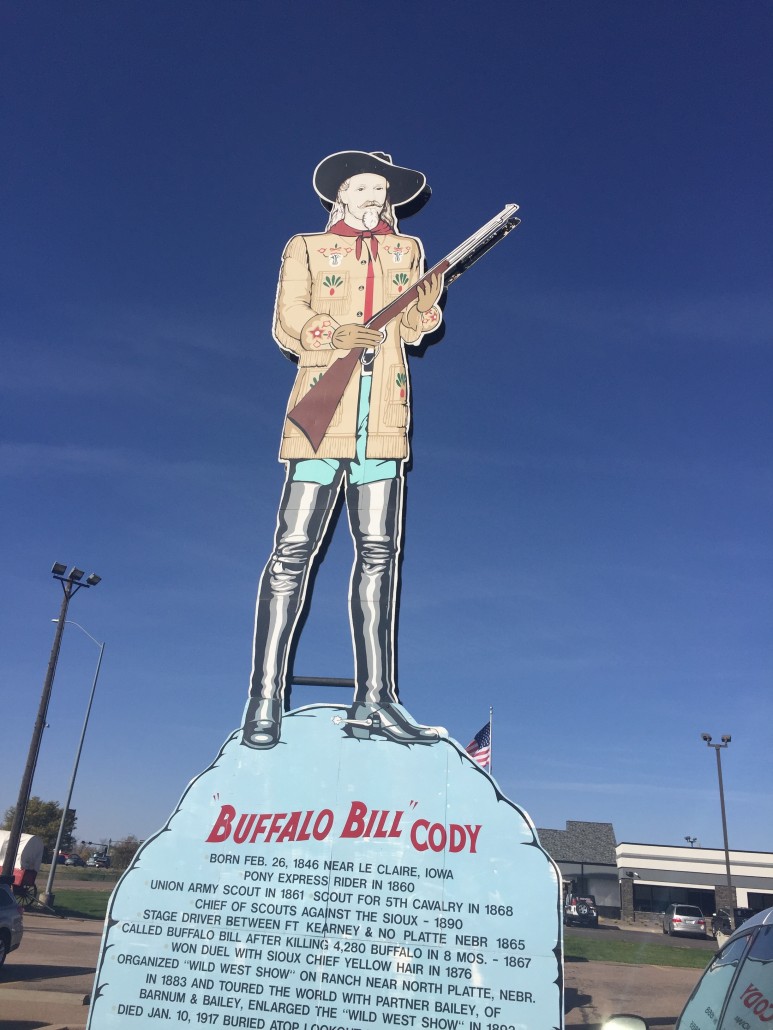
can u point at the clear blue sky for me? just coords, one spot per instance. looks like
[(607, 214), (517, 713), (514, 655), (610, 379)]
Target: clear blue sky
[(589, 512)]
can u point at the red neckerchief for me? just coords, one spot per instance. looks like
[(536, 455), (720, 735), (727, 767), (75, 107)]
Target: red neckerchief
[(382, 229)]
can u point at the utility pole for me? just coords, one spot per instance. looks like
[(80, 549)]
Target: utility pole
[(71, 584), (706, 737)]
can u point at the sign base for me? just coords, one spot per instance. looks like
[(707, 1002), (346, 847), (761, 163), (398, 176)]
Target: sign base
[(335, 883)]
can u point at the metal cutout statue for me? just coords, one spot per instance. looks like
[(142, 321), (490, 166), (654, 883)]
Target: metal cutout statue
[(356, 827), (348, 302)]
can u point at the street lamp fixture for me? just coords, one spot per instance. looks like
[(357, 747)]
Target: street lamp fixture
[(726, 738), (71, 584)]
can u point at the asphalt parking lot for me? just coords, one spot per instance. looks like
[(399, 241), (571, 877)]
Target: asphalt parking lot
[(596, 990), (47, 982)]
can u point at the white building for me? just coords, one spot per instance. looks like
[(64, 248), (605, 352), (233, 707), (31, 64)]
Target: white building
[(694, 876), (627, 878)]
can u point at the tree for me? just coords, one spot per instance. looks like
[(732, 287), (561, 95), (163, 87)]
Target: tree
[(43, 818), (123, 851)]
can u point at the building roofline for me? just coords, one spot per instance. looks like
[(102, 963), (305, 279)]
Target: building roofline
[(684, 847)]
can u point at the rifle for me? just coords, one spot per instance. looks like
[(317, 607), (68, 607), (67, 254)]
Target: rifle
[(314, 412)]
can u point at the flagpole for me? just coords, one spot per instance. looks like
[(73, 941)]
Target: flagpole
[(490, 738)]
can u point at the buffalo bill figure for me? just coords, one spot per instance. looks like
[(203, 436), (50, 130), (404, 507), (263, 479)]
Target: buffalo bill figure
[(330, 285)]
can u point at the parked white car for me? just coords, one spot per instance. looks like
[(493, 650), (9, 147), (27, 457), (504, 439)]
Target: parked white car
[(684, 919)]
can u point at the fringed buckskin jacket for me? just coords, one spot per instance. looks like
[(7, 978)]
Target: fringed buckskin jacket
[(329, 279)]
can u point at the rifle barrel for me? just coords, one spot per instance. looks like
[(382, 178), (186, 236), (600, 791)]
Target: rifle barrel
[(503, 221)]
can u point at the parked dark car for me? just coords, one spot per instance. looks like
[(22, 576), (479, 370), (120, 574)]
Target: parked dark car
[(735, 992), (687, 919), (720, 923), (11, 922), (74, 860)]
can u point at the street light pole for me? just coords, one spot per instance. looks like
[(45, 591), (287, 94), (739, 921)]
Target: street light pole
[(48, 897), (71, 584), (706, 737)]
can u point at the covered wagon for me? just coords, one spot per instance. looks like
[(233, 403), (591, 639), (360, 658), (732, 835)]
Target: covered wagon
[(27, 865)]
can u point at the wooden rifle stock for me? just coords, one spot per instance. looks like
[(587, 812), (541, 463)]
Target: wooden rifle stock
[(314, 412)]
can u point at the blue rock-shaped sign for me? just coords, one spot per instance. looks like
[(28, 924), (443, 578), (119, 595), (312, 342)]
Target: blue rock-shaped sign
[(334, 882)]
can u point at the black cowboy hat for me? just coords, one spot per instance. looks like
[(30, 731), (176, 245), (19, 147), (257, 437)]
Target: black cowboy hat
[(404, 183)]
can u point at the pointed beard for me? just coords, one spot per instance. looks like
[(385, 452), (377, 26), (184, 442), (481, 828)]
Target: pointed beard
[(371, 216)]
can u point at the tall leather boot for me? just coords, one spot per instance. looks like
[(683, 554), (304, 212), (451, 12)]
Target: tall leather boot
[(304, 514), (375, 517)]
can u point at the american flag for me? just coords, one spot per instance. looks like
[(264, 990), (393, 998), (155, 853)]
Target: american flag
[(479, 747)]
